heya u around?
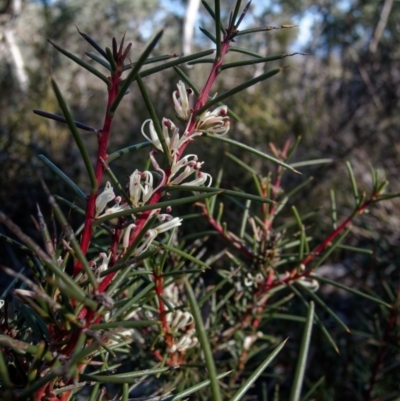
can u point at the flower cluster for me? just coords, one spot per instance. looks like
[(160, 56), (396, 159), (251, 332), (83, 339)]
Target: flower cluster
[(141, 187), (180, 323), (140, 191), (213, 122)]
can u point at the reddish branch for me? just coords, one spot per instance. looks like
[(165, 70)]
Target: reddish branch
[(103, 138), (234, 241)]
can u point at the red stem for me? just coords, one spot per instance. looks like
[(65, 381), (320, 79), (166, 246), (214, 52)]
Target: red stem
[(103, 137), (328, 240)]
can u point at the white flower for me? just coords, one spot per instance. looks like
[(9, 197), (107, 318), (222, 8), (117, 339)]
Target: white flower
[(135, 189), (310, 283), (106, 196), (190, 165), (103, 265), (116, 208), (183, 101), (250, 340), (138, 192), (153, 232), (250, 280), (170, 134), (214, 122), (171, 293), (147, 188), (185, 342), (179, 320), (200, 180), (168, 225)]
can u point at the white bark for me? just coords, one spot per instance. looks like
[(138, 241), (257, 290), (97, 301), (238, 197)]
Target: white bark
[(19, 64), (387, 7), (188, 26)]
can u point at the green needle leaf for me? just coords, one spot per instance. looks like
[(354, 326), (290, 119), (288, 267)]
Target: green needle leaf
[(61, 119), (235, 13), (302, 360), (258, 60), (100, 60), (249, 382), (263, 29), (204, 342), (183, 254), (123, 377), (77, 137), (178, 61), (151, 60), (208, 34), (126, 150), (125, 324), (64, 177), (221, 191), (351, 290), (92, 43), (82, 63), (244, 51), (311, 162), (237, 89), (320, 302), (218, 27), (4, 376), (252, 150), (353, 184), (196, 387)]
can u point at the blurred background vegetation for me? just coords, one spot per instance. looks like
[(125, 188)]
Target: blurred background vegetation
[(342, 98)]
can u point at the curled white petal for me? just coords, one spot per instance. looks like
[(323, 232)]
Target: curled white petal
[(127, 234), (310, 283), (168, 225), (106, 196), (183, 101), (103, 265), (155, 141), (200, 180), (149, 238), (214, 122), (135, 187)]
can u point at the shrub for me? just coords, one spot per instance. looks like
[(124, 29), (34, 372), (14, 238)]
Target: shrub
[(138, 299)]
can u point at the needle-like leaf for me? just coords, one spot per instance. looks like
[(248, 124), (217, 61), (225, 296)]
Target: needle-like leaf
[(64, 177), (250, 381), (302, 359), (204, 342), (77, 137), (82, 63)]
